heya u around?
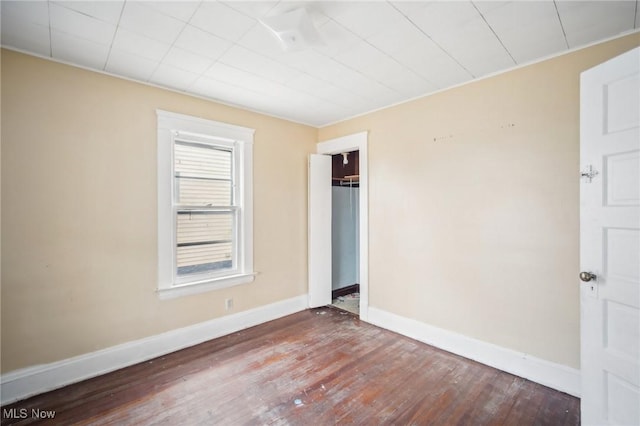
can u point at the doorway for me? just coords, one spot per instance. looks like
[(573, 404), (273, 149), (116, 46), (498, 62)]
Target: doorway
[(345, 247), (320, 227)]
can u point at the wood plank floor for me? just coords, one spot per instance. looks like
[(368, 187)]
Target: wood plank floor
[(317, 367)]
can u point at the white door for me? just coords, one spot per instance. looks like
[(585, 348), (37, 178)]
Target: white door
[(610, 241), (319, 230)]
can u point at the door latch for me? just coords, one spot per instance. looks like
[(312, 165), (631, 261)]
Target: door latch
[(587, 276), (588, 173), (591, 289)]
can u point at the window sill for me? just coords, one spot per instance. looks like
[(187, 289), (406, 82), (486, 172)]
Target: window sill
[(204, 286)]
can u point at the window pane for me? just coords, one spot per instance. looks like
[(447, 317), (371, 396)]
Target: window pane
[(198, 192), (200, 160), (205, 241), (204, 258), (203, 175)]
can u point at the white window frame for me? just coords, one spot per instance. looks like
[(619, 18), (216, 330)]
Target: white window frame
[(240, 139)]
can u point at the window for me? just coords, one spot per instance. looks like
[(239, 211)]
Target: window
[(205, 219)]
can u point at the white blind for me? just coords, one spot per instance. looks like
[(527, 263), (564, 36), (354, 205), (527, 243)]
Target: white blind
[(203, 175), (204, 226), (203, 181), (195, 258), (198, 192)]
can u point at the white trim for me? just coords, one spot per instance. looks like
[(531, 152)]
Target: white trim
[(204, 126), (240, 140), (357, 141), (204, 286), (556, 376), (30, 381)]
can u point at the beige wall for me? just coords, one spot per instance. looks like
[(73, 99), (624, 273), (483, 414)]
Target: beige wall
[(477, 231), (79, 212)]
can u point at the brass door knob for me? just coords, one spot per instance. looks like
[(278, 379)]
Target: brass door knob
[(587, 276)]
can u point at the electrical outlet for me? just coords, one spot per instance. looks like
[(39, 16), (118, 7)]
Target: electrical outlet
[(228, 304)]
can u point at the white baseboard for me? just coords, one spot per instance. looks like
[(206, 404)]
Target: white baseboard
[(23, 383), (556, 376)]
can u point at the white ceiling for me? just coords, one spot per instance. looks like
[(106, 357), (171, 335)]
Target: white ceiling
[(376, 53)]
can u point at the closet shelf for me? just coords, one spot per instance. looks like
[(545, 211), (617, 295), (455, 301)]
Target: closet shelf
[(348, 180)]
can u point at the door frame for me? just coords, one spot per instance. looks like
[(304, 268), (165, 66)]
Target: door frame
[(356, 141)]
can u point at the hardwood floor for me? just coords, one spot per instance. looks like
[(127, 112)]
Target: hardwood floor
[(317, 367)]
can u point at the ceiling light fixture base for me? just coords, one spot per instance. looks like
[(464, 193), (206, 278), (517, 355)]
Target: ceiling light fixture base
[(294, 30)]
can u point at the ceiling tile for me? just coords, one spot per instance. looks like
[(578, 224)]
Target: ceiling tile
[(259, 39), (318, 11), (249, 61), (222, 21), (395, 38), (588, 21), (406, 82), (78, 50), (368, 18), (529, 30), (138, 18), (253, 9), (201, 43), (35, 39), (340, 75), (428, 60), (186, 61), (300, 104), (485, 55), (376, 53), (410, 7), (435, 18), (216, 89), (175, 78), (129, 65), (386, 70), (238, 77), (305, 60), (325, 90), (208, 87), (80, 25), (365, 87), (107, 11), (489, 6), (336, 39), (36, 12), (292, 99), (135, 44), (182, 10), (317, 65), (367, 59), (453, 26), (21, 30), (281, 106)]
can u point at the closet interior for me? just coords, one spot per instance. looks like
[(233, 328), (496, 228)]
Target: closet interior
[(345, 238)]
